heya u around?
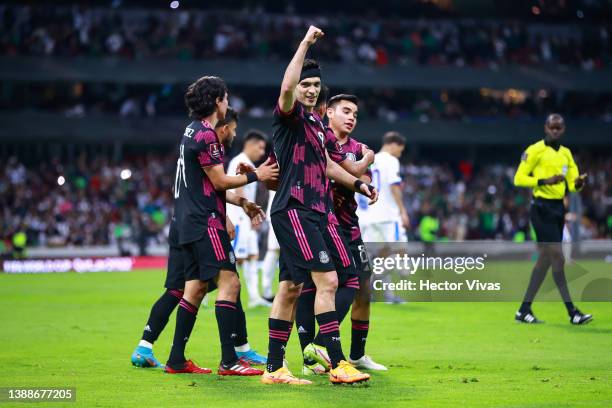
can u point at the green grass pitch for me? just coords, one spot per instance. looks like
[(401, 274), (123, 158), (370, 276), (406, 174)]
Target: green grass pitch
[(78, 330)]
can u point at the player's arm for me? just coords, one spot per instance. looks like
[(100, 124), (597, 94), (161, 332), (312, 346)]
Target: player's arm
[(358, 168), (575, 182), (396, 192), (523, 176), (244, 168), (221, 181), (395, 181), (291, 78), (339, 175), (251, 209), (233, 170), (230, 228), (367, 177)]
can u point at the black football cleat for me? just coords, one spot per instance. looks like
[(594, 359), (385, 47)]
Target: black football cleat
[(579, 318), (527, 317)]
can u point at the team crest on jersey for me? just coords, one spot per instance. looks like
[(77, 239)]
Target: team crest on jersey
[(323, 257), (232, 257), (564, 170), (351, 156), (214, 150)]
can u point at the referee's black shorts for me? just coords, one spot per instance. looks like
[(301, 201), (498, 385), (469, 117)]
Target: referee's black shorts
[(547, 218)]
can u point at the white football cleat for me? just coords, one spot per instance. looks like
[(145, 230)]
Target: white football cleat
[(367, 363)]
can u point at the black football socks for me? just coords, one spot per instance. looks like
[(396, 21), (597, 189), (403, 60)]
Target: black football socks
[(359, 335), (185, 319), (225, 311), (279, 331), (330, 330), (160, 313)]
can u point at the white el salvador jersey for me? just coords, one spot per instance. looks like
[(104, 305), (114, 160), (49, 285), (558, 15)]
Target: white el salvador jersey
[(245, 243), (381, 222)]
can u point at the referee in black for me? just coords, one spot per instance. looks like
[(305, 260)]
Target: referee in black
[(549, 169)]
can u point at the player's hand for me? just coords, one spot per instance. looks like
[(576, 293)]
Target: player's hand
[(230, 228), (257, 220), (313, 34), (244, 168), (369, 191), (374, 196), (580, 181), (267, 171), (552, 180), (254, 212)]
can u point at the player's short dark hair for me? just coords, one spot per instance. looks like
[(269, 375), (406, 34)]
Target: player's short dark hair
[(230, 116), (201, 96), (310, 63), (336, 99), (323, 95), (255, 135), (394, 137)]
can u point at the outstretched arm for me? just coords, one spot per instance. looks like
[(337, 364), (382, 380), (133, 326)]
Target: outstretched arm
[(292, 73), (222, 181)]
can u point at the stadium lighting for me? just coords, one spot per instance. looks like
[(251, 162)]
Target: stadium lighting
[(125, 174), (174, 4), (61, 180)]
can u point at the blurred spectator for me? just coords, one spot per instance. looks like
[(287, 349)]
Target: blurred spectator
[(83, 99), (97, 201), (93, 202), (188, 34), (451, 204)]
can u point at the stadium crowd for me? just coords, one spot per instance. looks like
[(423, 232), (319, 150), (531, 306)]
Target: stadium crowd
[(110, 202), (468, 203), (93, 202), (86, 99), (186, 34)]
